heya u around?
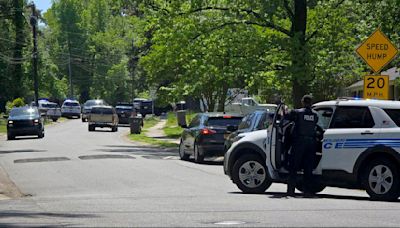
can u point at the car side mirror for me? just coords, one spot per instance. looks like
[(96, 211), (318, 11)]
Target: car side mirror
[(5, 116), (232, 128)]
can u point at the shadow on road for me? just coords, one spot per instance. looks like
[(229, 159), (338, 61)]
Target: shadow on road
[(280, 195), (25, 138), (20, 151), (155, 153), (139, 150), (103, 130), (209, 161), (28, 214)]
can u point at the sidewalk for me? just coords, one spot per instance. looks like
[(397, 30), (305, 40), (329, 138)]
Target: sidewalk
[(157, 132)]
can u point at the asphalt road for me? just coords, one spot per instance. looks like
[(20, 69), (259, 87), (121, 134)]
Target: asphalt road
[(73, 177)]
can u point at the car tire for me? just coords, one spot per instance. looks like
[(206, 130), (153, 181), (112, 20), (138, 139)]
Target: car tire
[(381, 180), (83, 120), (198, 158), (182, 153), (91, 128), (54, 120), (10, 137), (315, 188), (250, 174), (41, 134)]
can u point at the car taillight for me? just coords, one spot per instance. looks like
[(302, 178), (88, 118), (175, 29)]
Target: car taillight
[(207, 131), (227, 117)]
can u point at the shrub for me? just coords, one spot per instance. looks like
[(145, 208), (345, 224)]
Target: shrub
[(18, 102)]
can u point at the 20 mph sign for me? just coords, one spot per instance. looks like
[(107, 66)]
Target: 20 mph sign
[(376, 87), (377, 51)]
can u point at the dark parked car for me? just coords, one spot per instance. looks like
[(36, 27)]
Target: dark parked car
[(205, 135), (143, 106), (255, 121), (24, 121), (124, 111)]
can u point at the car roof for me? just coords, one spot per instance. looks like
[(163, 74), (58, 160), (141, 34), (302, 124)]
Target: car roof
[(25, 107), (221, 114), (361, 103), (72, 101), (102, 106)]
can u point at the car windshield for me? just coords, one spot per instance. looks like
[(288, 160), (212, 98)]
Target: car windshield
[(102, 111), (224, 121), (71, 104), (50, 105), (90, 103), (24, 112), (124, 107)]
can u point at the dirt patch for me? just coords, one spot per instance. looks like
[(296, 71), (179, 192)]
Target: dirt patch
[(7, 188)]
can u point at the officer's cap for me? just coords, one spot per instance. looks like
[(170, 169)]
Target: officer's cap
[(307, 98)]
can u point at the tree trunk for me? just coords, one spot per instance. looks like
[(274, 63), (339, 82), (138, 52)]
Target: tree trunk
[(222, 98), (299, 52), (17, 74)]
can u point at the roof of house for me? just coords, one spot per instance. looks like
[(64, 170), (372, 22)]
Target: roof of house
[(393, 73)]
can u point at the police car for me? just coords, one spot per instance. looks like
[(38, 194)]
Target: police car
[(71, 108), (358, 147)]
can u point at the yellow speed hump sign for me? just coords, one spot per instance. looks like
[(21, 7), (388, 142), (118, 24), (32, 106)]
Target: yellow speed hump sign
[(377, 51), (376, 87)]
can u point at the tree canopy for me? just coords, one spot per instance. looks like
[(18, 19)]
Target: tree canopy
[(118, 49)]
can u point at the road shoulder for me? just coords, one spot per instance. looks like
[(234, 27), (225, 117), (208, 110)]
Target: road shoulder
[(8, 190)]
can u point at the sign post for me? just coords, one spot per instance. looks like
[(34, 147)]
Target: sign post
[(377, 51)]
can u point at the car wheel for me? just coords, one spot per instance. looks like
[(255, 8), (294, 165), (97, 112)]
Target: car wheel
[(91, 128), (198, 158), (182, 153), (54, 120), (250, 174), (381, 180), (10, 137), (41, 134), (315, 187), (83, 120)]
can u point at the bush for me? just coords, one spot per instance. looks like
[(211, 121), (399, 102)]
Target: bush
[(18, 102)]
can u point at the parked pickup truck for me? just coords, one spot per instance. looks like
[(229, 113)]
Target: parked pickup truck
[(248, 105), (103, 116)]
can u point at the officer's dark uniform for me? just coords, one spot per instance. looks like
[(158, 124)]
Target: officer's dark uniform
[(303, 147)]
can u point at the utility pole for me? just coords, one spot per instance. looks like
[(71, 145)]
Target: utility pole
[(33, 21), (71, 90)]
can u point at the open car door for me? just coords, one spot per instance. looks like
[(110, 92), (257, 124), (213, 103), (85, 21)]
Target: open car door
[(278, 142)]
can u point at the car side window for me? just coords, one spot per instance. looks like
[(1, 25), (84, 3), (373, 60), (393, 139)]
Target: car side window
[(195, 121), (324, 117), (242, 124), (246, 122), (352, 117), (262, 123)]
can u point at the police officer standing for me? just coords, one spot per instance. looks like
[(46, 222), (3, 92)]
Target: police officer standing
[(303, 150)]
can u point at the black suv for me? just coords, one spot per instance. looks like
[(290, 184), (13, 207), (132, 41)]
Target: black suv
[(24, 121)]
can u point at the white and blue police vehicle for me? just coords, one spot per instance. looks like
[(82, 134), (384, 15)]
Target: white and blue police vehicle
[(358, 147)]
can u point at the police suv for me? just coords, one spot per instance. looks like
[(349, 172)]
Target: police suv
[(358, 146)]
